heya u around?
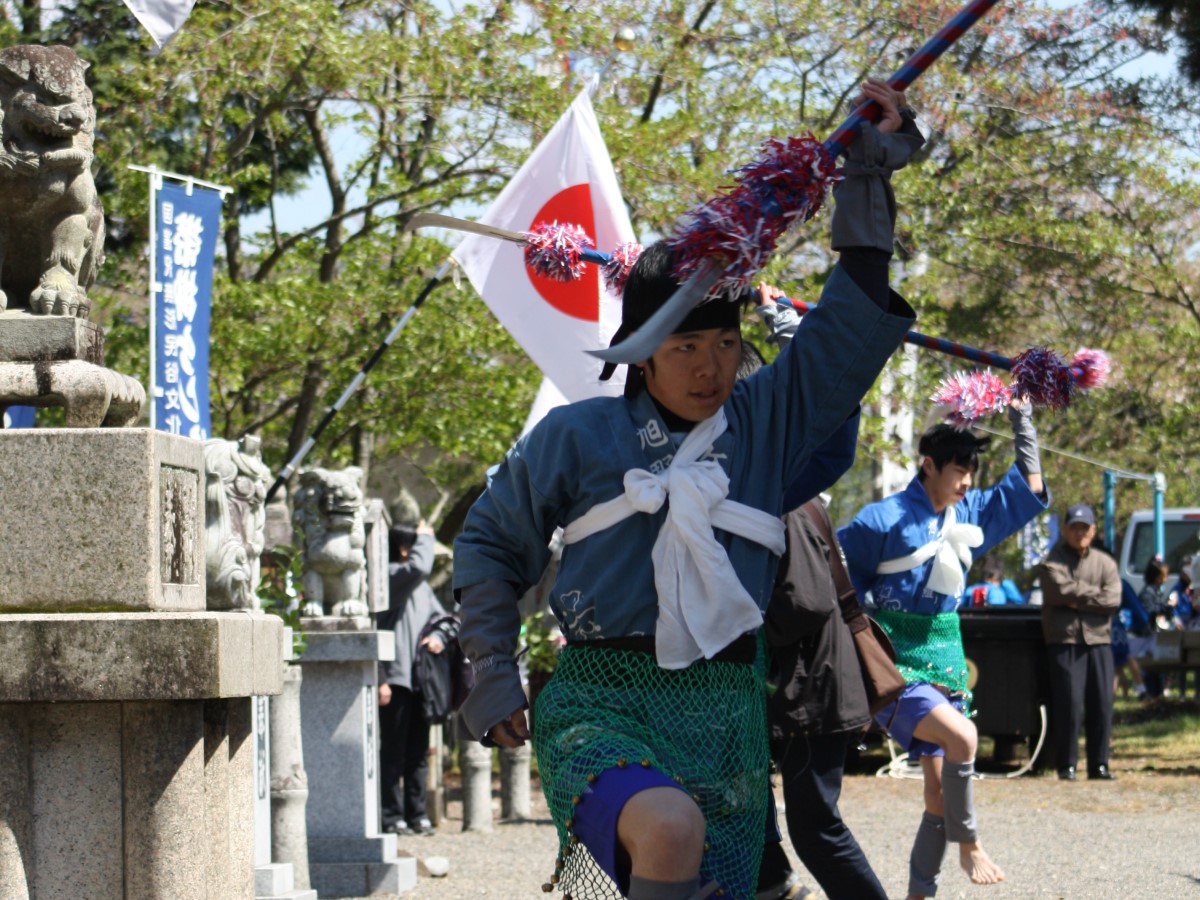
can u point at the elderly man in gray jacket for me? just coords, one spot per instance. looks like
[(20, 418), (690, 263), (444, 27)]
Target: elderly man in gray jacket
[(1081, 591)]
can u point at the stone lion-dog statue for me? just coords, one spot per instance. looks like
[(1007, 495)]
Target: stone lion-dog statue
[(331, 516), (51, 222)]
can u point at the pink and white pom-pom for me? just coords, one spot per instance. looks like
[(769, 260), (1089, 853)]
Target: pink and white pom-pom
[(971, 396), (1038, 374), (739, 229), (616, 270), (552, 250), (1090, 368)]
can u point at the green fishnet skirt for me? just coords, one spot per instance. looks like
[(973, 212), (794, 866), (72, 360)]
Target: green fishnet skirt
[(705, 726), (928, 648)]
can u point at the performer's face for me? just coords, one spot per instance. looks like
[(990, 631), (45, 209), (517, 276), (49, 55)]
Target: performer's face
[(947, 485), (692, 373)]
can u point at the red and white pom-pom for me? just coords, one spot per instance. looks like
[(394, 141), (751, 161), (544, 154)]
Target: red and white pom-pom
[(1043, 377), (739, 228), (793, 175), (1090, 368), (731, 232), (552, 251), (616, 270), (971, 396)]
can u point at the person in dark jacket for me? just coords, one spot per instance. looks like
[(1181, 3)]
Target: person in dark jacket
[(819, 707), (403, 726)]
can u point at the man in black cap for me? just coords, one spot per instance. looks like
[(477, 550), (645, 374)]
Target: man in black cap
[(1081, 591)]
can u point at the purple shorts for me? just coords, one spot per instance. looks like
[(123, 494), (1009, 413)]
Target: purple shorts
[(596, 815), (899, 719)]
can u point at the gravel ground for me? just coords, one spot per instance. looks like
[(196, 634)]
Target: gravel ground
[(1132, 837)]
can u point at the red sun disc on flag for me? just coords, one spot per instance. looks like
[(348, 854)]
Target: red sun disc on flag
[(581, 298)]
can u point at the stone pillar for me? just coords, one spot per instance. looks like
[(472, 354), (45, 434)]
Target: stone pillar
[(16, 805), (475, 760), (348, 856), (166, 851), (261, 739), (514, 783), (141, 711), (435, 780), (289, 790)]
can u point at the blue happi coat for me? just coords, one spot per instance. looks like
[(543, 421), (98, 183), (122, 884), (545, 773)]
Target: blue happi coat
[(902, 523), (577, 456)]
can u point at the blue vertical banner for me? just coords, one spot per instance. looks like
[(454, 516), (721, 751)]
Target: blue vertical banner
[(18, 417), (187, 223)]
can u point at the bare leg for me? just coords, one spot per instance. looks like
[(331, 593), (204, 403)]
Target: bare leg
[(954, 733), (662, 830)]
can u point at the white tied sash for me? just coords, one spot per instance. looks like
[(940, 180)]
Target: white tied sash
[(951, 554), (702, 605)]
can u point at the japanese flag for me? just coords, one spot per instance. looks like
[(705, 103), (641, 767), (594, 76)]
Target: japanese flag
[(162, 18), (569, 178)]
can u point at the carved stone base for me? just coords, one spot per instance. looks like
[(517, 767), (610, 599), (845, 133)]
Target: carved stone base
[(26, 337), (92, 395)]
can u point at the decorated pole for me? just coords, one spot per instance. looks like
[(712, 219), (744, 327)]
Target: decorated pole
[(942, 345), (725, 241), (909, 72)]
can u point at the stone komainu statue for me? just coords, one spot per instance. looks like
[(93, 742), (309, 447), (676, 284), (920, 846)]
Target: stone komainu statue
[(235, 519), (51, 223), (330, 514)]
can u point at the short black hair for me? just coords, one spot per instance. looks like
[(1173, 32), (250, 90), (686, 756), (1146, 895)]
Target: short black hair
[(400, 537), (752, 360), (944, 443), (1156, 571)]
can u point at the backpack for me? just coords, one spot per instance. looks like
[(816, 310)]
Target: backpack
[(442, 679)]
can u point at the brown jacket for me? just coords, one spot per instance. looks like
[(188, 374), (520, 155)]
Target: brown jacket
[(1080, 595)]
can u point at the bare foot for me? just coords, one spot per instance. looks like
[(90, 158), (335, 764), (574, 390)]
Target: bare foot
[(978, 865)]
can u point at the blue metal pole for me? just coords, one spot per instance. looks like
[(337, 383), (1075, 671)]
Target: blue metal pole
[(1110, 513), (1160, 487)]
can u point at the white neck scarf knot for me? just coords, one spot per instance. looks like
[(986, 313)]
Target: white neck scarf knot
[(951, 554), (702, 605)]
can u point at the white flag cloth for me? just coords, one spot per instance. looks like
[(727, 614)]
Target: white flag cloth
[(569, 178), (162, 18)]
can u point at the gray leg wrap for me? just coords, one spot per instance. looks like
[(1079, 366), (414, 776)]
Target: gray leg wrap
[(958, 796), (651, 889), (925, 861)]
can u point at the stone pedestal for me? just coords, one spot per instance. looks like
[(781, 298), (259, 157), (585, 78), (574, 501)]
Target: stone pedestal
[(348, 856), (130, 734), (59, 361), (101, 520), (126, 756)]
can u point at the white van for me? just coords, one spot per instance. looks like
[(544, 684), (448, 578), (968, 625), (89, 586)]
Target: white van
[(1181, 537)]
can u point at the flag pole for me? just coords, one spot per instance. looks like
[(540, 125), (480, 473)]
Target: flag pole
[(287, 471), (155, 184)]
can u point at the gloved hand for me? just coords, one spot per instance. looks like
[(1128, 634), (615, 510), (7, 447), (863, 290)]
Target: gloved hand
[(488, 635), (864, 213), (1025, 439)]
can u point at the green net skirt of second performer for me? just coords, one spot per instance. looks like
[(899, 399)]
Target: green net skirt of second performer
[(704, 726), (929, 648)]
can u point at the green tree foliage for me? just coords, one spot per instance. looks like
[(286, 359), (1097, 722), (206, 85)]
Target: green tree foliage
[(1055, 204)]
